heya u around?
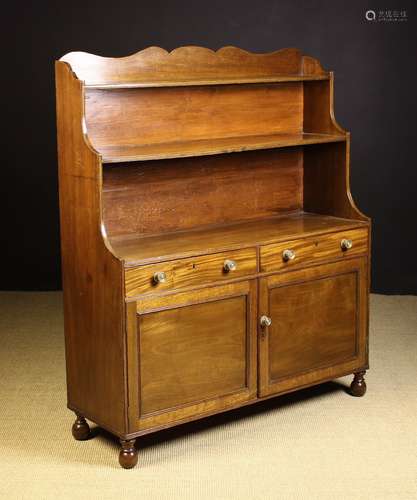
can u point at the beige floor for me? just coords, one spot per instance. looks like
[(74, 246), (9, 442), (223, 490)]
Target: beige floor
[(319, 443)]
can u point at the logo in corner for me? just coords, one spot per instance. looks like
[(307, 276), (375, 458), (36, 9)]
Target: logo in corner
[(386, 16), (370, 15)]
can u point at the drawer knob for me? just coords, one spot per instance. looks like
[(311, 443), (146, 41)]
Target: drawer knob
[(346, 244), (229, 265), (159, 277), (288, 254), (265, 321)]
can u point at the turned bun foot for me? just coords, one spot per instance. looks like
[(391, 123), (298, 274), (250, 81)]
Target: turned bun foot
[(128, 456), (80, 429), (358, 386)]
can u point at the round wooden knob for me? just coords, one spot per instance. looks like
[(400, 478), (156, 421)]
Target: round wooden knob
[(159, 277), (229, 265), (346, 244), (288, 254), (265, 321)]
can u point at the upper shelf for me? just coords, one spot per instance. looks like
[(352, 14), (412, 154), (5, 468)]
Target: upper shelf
[(203, 147), (194, 101), (213, 81)]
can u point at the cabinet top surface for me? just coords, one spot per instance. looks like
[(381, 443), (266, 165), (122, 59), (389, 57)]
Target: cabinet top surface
[(193, 65), (141, 250)]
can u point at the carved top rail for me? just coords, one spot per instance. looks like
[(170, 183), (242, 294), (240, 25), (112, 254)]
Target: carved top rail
[(193, 65)]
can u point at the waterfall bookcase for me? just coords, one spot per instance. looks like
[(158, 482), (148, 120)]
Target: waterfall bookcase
[(212, 254)]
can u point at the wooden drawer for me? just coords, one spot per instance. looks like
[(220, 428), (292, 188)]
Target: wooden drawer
[(316, 248), (190, 272)]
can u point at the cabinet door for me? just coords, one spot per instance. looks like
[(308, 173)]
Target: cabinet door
[(318, 327), (191, 353)]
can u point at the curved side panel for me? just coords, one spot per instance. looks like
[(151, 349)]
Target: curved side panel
[(319, 108), (92, 276), (155, 64), (359, 214), (331, 99), (326, 167), (326, 181)]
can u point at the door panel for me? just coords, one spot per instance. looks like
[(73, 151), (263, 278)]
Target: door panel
[(319, 325), (313, 324), (195, 353), (192, 353)]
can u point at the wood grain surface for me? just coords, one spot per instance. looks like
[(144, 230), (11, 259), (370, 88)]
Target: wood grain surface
[(313, 249), (192, 352), (212, 146), (190, 272), (140, 250), (92, 276), (326, 188), (319, 324), (156, 66), (161, 197), (142, 117)]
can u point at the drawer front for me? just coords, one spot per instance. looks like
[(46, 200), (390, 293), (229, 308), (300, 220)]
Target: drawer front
[(316, 248), (190, 272)]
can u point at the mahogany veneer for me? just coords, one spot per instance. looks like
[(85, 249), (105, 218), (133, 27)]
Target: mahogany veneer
[(212, 254)]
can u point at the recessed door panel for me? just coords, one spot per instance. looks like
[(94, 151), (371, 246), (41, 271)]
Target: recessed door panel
[(193, 353), (318, 324)]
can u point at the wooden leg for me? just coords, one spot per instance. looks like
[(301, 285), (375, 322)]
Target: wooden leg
[(358, 386), (128, 456), (80, 429)]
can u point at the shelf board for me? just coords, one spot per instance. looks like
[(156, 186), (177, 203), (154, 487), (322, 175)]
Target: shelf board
[(134, 250), (196, 82), (203, 147)]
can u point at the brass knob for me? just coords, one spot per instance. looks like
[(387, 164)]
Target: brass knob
[(229, 265), (346, 244), (265, 321), (160, 277), (288, 254)]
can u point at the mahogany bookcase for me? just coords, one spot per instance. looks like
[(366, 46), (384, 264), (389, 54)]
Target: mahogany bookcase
[(212, 253)]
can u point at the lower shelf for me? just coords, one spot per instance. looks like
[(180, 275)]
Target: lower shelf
[(135, 250), (201, 147)]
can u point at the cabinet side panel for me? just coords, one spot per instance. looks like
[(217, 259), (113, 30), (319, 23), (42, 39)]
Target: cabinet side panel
[(326, 181), (319, 108), (92, 276), (326, 167)]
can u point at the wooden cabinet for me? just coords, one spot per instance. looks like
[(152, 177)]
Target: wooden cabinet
[(212, 253)]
